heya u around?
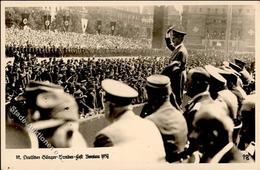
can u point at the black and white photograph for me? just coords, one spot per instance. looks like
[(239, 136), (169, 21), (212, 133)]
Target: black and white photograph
[(139, 82)]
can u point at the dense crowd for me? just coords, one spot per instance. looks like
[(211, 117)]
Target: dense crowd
[(82, 77), (216, 57), (49, 43), (50, 92)]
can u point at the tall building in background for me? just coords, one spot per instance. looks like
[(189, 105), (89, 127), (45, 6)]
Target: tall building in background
[(207, 27)]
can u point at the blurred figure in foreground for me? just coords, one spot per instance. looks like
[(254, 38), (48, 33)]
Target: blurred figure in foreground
[(166, 117), (213, 135), (53, 116), (135, 138)]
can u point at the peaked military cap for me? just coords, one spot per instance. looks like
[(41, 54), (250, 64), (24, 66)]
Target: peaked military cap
[(215, 76), (158, 85), (158, 81), (240, 63), (118, 92), (179, 29), (235, 67)]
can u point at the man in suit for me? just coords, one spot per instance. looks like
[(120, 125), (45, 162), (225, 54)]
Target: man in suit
[(212, 130), (166, 117), (135, 138), (176, 70)]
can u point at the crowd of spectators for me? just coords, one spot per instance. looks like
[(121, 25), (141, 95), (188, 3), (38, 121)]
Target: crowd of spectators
[(82, 76), (49, 43)]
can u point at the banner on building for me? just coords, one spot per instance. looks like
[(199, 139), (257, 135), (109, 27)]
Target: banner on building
[(113, 27), (84, 24), (99, 25), (47, 21)]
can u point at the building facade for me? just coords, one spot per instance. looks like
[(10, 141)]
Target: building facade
[(220, 27)]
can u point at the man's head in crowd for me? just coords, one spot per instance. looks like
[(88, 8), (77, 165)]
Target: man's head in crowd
[(118, 98), (197, 81), (158, 89), (217, 82)]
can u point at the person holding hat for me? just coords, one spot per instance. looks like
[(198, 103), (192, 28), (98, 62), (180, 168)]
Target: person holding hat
[(127, 132), (176, 70), (53, 115), (212, 131), (166, 117)]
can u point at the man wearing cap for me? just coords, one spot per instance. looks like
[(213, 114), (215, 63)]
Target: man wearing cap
[(198, 90), (167, 118), (136, 138), (53, 115), (232, 78), (247, 79), (212, 130), (220, 92), (176, 70)]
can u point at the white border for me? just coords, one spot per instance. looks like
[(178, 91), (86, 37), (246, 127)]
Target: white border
[(8, 156)]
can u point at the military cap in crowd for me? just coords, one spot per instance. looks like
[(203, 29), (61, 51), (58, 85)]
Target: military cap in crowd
[(235, 67), (199, 73), (228, 74), (158, 84), (216, 78), (118, 92), (240, 63)]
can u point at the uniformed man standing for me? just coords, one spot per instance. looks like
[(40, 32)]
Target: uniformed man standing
[(176, 70), (166, 117), (135, 138), (198, 89)]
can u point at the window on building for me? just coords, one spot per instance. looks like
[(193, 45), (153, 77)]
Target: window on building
[(200, 9)]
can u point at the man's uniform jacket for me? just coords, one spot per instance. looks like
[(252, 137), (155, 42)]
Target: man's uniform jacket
[(135, 138), (177, 74)]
